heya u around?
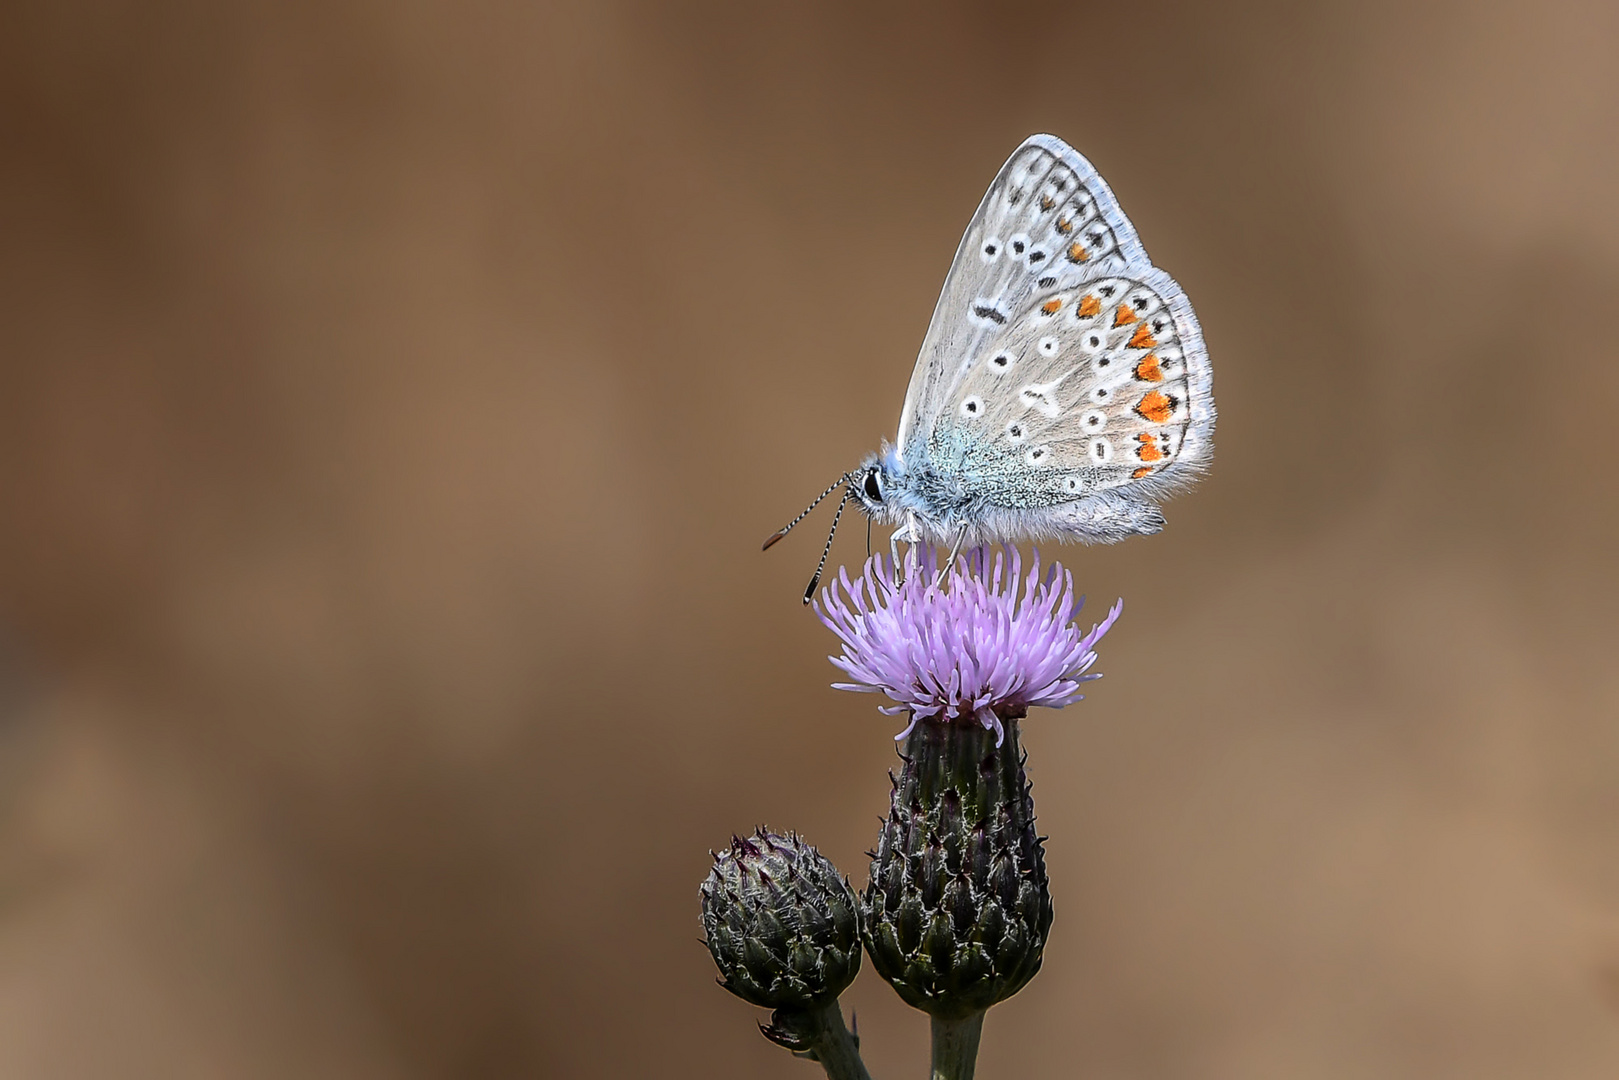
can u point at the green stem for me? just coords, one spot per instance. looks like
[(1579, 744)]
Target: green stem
[(834, 1046), (955, 1046), (822, 1036)]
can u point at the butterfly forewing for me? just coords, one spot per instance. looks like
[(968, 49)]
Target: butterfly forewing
[(1048, 222)]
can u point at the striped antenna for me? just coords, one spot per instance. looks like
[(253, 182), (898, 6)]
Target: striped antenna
[(816, 580), (785, 529)]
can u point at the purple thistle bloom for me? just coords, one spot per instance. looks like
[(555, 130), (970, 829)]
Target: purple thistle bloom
[(982, 644)]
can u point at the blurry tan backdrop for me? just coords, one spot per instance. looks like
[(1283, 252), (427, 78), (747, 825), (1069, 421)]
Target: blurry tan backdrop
[(395, 395)]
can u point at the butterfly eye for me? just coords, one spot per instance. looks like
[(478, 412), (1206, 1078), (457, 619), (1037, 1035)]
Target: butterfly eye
[(874, 490)]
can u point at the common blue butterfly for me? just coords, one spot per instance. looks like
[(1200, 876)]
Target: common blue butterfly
[(1062, 388)]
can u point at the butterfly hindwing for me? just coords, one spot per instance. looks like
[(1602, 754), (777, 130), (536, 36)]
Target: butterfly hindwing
[(1092, 386)]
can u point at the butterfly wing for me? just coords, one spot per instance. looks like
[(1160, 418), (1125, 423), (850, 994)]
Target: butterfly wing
[(1095, 400), (1067, 384), (1047, 216)]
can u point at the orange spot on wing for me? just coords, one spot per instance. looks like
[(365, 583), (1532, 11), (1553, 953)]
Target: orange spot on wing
[(1125, 314), (1148, 450), (1154, 406), (1147, 369), (1076, 252), (1089, 306), (1139, 473), (1047, 202), (1051, 307), (1143, 338), (1065, 225)]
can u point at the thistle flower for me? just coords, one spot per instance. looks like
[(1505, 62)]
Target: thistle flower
[(958, 907), (984, 642)]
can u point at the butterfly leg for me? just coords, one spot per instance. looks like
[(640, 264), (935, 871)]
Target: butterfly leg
[(955, 549), (908, 534)]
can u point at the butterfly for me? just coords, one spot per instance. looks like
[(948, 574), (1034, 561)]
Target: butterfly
[(1063, 387)]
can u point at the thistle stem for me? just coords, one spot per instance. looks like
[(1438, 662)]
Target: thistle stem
[(955, 1046), (834, 1047)]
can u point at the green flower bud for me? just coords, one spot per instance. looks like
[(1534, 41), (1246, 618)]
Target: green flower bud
[(781, 922), (958, 908)]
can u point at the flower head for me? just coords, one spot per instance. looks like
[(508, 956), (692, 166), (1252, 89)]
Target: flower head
[(780, 922), (985, 642)]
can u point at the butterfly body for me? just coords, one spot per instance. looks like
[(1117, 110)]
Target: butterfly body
[(965, 499), (1063, 386)]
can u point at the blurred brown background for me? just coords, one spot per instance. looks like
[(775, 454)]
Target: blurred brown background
[(394, 397)]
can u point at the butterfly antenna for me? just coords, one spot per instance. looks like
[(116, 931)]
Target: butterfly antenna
[(816, 580), (785, 529)]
